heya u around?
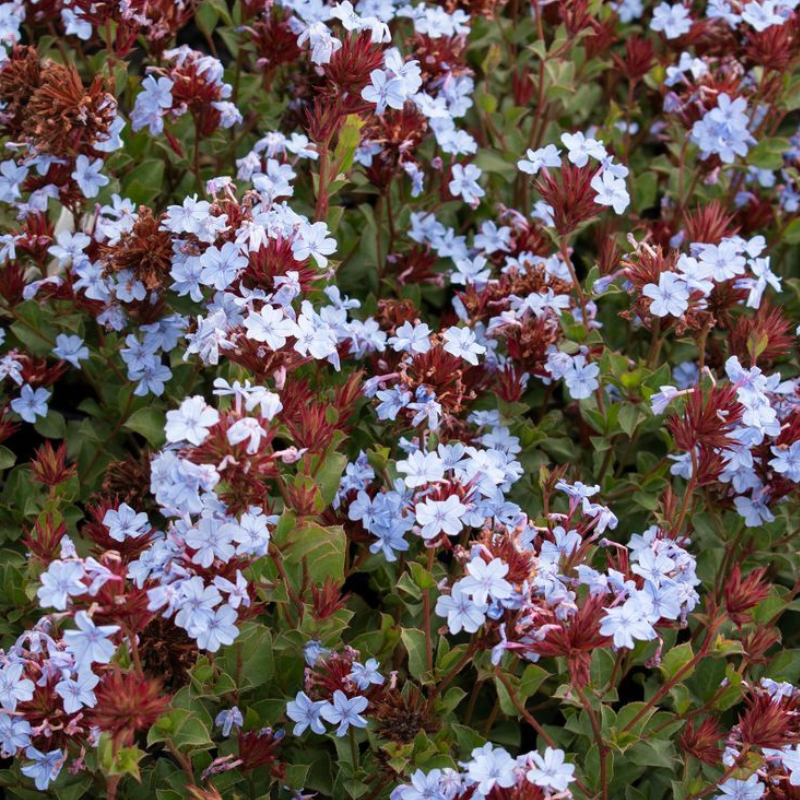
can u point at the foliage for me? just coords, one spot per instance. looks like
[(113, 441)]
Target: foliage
[(399, 400)]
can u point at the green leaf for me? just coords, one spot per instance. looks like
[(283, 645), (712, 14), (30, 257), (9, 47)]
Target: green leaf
[(355, 788), (206, 17), (250, 657), (316, 551), (791, 233), (181, 728), (148, 422), (602, 667), (676, 659), (349, 138), (646, 190), (768, 153), (629, 419), (785, 666), (467, 738), (143, 183), (591, 767), (296, 775), (653, 753), (493, 162), (118, 761), (329, 476), (33, 329), (7, 458), (504, 698), (452, 697), (486, 102), (320, 769), (414, 643), (52, 426), (422, 577), (407, 585), (127, 762), (627, 714), (221, 7), (533, 676), (232, 40)]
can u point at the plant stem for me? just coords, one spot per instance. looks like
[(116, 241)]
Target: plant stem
[(688, 496), (183, 760), (574, 275), (455, 669), (546, 738), (426, 610), (137, 661), (322, 188), (353, 747), (198, 175), (602, 747), (277, 558), (667, 687)]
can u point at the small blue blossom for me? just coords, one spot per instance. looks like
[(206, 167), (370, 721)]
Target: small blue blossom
[(365, 675), (345, 712), (90, 643), (45, 767), (31, 404), (306, 713), (229, 719), (71, 349)]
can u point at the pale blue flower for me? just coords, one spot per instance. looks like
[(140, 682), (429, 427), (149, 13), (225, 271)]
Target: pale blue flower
[(345, 712), (229, 719), (90, 643), (14, 687), (45, 766), (551, 771), (307, 713), (365, 675), (31, 404)]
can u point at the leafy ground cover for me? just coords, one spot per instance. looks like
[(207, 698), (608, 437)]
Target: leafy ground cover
[(400, 399)]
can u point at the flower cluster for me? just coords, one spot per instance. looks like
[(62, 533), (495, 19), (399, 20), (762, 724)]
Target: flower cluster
[(491, 768), (399, 400), (193, 82)]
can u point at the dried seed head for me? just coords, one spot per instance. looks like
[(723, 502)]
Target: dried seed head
[(63, 117), (146, 250)]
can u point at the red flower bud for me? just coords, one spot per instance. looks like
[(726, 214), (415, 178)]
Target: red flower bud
[(50, 466), (127, 703), (743, 594)]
